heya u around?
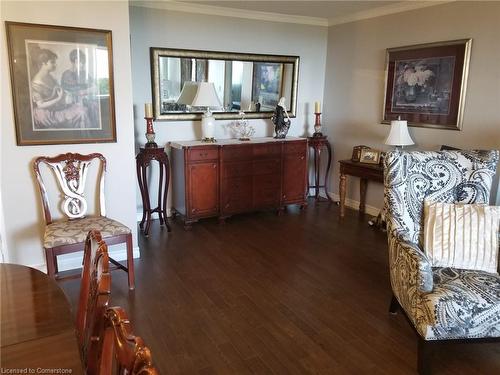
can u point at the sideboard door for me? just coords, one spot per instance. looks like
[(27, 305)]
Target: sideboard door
[(203, 187), (294, 173)]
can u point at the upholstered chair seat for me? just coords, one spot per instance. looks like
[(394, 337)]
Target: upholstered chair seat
[(463, 304), (67, 232)]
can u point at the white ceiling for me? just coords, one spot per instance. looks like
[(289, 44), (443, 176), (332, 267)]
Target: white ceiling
[(322, 13)]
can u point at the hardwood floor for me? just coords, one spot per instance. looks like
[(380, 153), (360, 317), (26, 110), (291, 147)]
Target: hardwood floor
[(300, 293)]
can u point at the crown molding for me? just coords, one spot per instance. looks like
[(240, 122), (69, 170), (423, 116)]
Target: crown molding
[(178, 6), (403, 6), (231, 12)]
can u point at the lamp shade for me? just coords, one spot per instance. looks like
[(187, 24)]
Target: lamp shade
[(188, 93), (206, 96), (399, 135)]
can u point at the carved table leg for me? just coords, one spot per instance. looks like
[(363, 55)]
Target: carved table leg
[(329, 149), (363, 183), (317, 160), (165, 194), (141, 187), (342, 194), (146, 201), (161, 214)]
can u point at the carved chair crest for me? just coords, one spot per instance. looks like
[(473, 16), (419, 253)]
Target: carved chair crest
[(71, 171)]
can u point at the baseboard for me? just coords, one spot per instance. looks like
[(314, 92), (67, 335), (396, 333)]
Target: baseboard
[(351, 203), (74, 260), (154, 216)]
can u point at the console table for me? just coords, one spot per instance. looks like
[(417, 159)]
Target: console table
[(317, 144), (232, 176), (365, 172), (143, 161)]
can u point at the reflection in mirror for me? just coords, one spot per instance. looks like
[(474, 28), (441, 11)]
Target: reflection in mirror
[(252, 83)]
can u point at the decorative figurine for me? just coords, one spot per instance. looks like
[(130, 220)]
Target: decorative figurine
[(242, 128), (281, 125)]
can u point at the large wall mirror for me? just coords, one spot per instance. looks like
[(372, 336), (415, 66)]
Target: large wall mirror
[(252, 83)]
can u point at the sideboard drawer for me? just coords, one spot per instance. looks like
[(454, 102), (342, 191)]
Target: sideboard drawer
[(236, 152), (198, 153), (272, 166), (296, 147), (237, 169), (267, 150)]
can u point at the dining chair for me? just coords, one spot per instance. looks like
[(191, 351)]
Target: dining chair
[(123, 350), (68, 235), (94, 298)]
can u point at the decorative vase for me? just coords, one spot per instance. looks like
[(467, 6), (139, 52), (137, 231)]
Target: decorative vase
[(410, 94)]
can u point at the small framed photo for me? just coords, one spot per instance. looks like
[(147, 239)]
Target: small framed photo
[(426, 84), (356, 152), (370, 156), (62, 84)]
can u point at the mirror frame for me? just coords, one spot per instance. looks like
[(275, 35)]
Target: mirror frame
[(156, 53)]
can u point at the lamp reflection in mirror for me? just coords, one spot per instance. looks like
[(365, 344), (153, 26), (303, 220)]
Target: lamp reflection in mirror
[(399, 135), (188, 93), (207, 97)]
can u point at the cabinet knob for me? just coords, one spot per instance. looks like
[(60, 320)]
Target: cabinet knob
[(214, 166), (193, 210), (302, 157), (284, 195)]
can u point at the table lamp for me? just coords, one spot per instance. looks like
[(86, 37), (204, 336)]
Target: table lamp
[(399, 135), (207, 97)]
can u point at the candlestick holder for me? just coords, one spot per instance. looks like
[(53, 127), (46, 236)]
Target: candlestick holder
[(317, 125), (150, 133)]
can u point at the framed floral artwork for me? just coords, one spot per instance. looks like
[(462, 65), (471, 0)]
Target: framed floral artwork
[(62, 84), (426, 84)]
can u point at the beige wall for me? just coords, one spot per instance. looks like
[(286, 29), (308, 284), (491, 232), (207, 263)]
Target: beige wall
[(354, 86), (21, 202), (164, 28)]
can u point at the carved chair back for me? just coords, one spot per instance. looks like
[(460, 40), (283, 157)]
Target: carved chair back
[(71, 172), (94, 299), (122, 350)]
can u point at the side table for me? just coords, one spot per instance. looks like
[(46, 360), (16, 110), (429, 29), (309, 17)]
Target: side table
[(365, 172), (143, 160), (318, 143)]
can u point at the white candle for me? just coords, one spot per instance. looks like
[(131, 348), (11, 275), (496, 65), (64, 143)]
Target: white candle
[(148, 110), (317, 107)]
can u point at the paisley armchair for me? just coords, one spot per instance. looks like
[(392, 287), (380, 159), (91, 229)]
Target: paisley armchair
[(440, 303)]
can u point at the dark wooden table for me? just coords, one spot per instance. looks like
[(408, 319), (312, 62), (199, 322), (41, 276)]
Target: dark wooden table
[(143, 161), (365, 172), (318, 144), (37, 327)]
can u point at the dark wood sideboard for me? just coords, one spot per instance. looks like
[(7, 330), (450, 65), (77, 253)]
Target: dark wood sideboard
[(231, 177)]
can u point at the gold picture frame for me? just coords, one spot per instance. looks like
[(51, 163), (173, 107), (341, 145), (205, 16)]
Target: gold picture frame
[(369, 156), (62, 84)]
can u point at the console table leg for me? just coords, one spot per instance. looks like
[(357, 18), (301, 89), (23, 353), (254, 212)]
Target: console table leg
[(342, 194), (363, 183)]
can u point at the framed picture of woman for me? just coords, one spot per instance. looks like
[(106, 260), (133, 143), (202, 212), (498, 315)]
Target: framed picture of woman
[(62, 84)]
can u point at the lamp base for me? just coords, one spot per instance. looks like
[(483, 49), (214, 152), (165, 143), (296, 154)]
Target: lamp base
[(208, 127)]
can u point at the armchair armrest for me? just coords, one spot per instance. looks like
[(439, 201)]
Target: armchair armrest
[(411, 269)]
